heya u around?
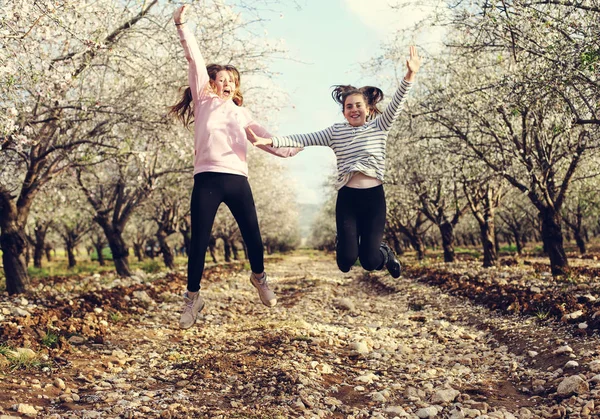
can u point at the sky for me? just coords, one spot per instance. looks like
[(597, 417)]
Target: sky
[(328, 40)]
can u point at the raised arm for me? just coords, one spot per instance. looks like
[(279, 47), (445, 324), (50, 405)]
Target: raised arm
[(387, 118), (197, 75)]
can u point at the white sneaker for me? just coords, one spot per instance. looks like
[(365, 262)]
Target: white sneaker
[(267, 296), (192, 307)]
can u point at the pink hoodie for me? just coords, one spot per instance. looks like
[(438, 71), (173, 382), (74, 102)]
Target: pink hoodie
[(220, 139)]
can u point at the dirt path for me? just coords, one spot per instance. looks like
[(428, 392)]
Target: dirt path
[(336, 346)]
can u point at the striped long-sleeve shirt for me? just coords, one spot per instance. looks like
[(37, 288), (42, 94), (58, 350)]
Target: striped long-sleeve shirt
[(357, 149)]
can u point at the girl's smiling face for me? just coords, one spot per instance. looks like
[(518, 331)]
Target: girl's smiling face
[(356, 111), (224, 84)]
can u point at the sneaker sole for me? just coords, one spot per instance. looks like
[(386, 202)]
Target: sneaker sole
[(395, 270)]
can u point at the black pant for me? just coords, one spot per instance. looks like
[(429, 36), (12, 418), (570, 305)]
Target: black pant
[(210, 189), (360, 220)]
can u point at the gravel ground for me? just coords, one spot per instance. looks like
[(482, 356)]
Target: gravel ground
[(337, 345)]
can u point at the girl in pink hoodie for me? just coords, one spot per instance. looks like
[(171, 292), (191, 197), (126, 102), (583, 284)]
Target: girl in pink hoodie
[(213, 103)]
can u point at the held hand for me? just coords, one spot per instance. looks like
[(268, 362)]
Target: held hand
[(179, 15), (256, 140), (413, 64)]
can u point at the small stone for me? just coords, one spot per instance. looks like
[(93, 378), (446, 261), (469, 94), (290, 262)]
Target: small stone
[(76, 340), (19, 312), (571, 385), (572, 364), (427, 412), (59, 383), (563, 349), (359, 347), (444, 396), (345, 304), (26, 409), (595, 365), (378, 397)]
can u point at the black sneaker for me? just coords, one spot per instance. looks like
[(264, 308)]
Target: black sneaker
[(391, 262)]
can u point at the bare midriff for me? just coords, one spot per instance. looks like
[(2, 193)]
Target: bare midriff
[(361, 181)]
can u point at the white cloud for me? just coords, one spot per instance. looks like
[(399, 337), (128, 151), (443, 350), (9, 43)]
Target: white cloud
[(379, 15), (386, 20)]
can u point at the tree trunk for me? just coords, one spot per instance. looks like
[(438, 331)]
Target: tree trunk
[(490, 257), (99, 247), (580, 242), (165, 249), (13, 244), (447, 232), (48, 251), (227, 250), (118, 248), (417, 243), (70, 255), (212, 243), (150, 244), (497, 243), (473, 239), (518, 243), (187, 241), (553, 241), (138, 251), (234, 250), (40, 243), (397, 245), (245, 248)]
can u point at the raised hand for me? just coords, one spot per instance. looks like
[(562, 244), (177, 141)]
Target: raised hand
[(256, 140), (413, 63), (179, 15)]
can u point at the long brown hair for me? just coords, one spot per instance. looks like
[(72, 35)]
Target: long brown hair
[(184, 110), (372, 96)]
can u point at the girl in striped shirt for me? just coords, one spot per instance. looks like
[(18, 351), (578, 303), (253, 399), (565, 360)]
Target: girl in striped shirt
[(359, 147)]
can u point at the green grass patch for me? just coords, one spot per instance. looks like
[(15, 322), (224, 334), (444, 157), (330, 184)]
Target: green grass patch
[(105, 252), (151, 266), (115, 317), (50, 339), (509, 248), (465, 251), (22, 360)]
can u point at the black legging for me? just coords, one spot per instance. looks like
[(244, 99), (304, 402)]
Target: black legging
[(210, 189), (360, 220)]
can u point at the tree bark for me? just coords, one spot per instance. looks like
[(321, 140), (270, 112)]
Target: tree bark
[(227, 250), (13, 243), (70, 254), (117, 245), (138, 251), (245, 249), (48, 251), (552, 238), (165, 249), (490, 257), (580, 241), (417, 243), (234, 250), (99, 247), (40, 244), (447, 233)]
